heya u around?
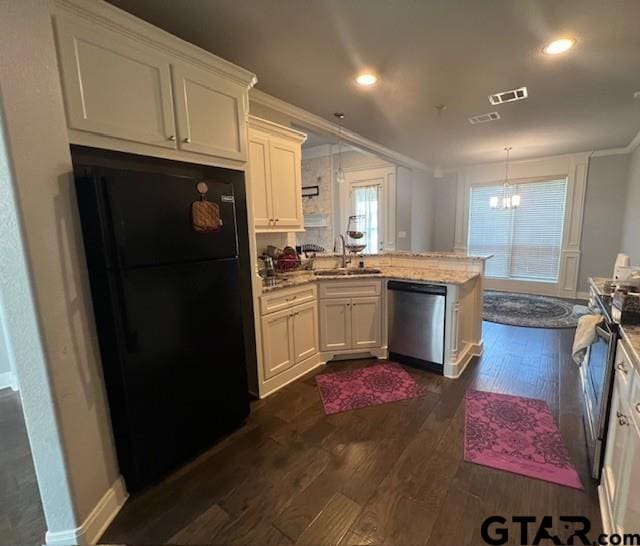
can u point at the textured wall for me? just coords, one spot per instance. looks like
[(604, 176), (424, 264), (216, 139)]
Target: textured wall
[(317, 172)]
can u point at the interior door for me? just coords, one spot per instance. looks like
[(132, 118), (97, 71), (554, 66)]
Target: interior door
[(210, 113), (277, 342), (335, 324), (260, 176), (366, 323), (286, 185), (305, 331), (114, 85)]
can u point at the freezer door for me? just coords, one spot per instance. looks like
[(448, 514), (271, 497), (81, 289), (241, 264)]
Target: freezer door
[(150, 218), (416, 325), (182, 362)]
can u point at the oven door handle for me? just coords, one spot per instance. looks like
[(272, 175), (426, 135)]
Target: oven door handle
[(601, 332)]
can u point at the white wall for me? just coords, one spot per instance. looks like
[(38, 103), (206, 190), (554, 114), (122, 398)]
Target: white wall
[(43, 280), (603, 217), (422, 212), (404, 209), (444, 212), (631, 226)]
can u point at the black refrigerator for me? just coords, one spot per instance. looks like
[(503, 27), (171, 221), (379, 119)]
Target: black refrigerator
[(168, 311)]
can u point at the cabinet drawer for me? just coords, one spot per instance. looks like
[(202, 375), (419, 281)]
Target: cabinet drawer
[(349, 288), (282, 299), (624, 369)]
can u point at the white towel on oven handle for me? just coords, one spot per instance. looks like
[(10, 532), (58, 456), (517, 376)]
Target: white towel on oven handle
[(585, 336)]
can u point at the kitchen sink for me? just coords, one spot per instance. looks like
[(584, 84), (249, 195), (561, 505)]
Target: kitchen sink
[(346, 272)]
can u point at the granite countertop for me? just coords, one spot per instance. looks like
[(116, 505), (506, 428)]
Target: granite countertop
[(409, 254), (436, 276), (630, 333)]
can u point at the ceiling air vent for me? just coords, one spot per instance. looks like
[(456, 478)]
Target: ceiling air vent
[(508, 96), (483, 118)]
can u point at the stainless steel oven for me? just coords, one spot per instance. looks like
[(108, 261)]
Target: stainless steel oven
[(597, 381)]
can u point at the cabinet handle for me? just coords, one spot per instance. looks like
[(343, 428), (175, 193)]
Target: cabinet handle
[(187, 140), (621, 367), (172, 138)]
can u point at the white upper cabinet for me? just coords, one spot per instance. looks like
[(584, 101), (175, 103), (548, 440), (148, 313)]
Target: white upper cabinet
[(275, 174), (132, 87), (114, 86), (210, 113), (260, 173), (286, 175)]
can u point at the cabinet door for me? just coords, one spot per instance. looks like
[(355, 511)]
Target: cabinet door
[(277, 343), (286, 183), (260, 178), (335, 324), (113, 85), (617, 442), (366, 323), (627, 514), (305, 331), (210, 113)]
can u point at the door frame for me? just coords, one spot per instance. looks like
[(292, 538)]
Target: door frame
[(387, 209)]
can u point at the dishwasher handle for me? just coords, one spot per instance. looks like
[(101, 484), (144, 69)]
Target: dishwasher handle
[(417, 287)]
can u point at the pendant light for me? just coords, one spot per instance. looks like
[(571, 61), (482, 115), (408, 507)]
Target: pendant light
[(509, 199), (339, 171)]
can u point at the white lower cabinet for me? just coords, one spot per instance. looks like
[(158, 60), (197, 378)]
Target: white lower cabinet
[(620, 484), (353, 323), (277, 343), (335, 324), (366, 323), (289, 337)]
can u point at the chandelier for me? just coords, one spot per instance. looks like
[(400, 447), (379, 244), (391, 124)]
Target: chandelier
[(509, 199)]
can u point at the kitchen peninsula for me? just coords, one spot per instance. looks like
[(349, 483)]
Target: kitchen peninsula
[(308, 318)]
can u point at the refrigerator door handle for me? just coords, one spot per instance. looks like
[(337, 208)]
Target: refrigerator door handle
[(131, 336)]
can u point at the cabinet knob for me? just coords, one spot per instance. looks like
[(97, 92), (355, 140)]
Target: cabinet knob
[(187, 140), (638, 407), (621, 367), (277, 220), (172, 138), (623, 421)]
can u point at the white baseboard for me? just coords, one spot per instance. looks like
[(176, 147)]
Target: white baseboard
[(8, 380), (96, 523), (453, 370)]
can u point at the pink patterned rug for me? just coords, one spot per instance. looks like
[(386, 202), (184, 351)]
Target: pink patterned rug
[(370, 386), (518, 435)]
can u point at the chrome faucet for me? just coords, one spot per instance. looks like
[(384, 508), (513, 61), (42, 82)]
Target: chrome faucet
[(345, 260)]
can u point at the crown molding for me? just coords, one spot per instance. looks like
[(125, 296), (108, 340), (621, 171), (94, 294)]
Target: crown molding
[(316, 123), (276, 128)]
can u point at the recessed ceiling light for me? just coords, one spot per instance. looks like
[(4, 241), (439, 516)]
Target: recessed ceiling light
[(366, 79), (559, 46)]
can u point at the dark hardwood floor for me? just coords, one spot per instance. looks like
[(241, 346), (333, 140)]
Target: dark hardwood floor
[(391, 474), (21, 516)]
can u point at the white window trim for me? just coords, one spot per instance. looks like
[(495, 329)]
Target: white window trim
[(574, 167), (388, 199)]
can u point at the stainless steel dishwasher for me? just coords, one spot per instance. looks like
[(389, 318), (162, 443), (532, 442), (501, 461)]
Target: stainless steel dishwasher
[(416, 324)]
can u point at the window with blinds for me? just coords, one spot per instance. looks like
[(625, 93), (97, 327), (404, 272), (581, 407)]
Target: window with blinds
[(527, 240)]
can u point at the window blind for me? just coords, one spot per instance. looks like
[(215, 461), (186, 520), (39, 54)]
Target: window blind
[(527, 240)]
